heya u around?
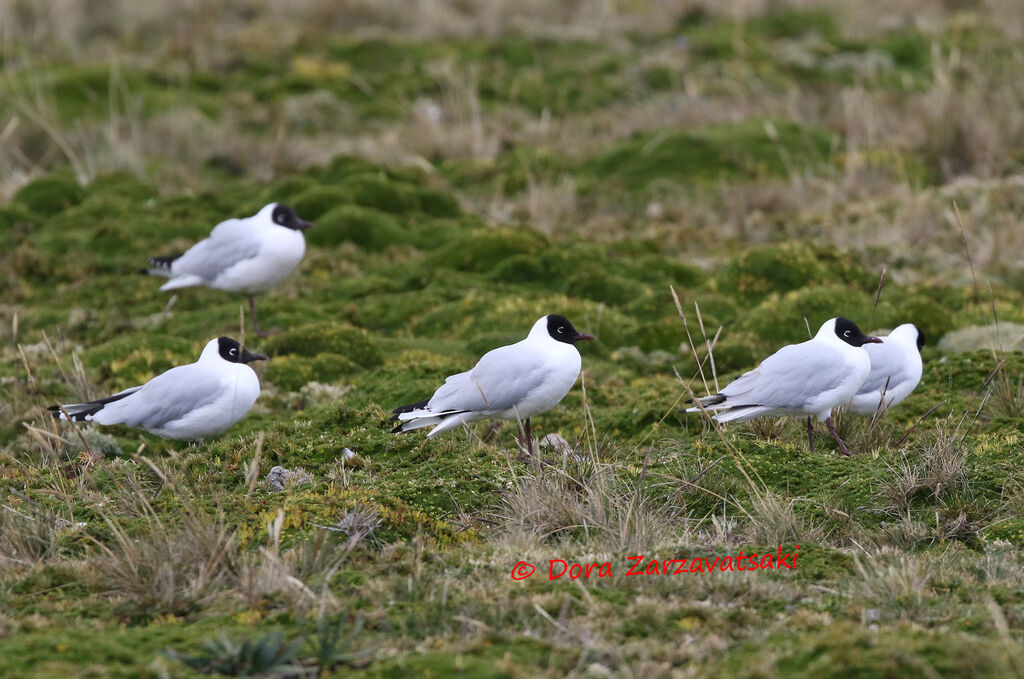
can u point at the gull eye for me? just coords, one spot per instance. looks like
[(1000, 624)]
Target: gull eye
[(561, 329), (233, 352), (846, 333)]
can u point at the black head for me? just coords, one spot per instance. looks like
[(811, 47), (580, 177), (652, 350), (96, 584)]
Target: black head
[(848, 331), (920, 338), (562, 330), (286, 217), (232, 352)]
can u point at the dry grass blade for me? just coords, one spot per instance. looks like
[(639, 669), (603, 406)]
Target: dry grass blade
[(26, 537)]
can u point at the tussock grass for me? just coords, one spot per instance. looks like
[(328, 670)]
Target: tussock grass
[(27, 537), (166, 569), (583, 499)]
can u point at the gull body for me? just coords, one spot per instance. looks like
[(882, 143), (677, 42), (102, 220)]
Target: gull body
[(249, 255), (808, 379), (516, 381), (189, 402), (895, 370)]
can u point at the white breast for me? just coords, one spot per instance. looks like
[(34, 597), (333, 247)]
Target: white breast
[(239, 390), (855, 369), (563, 368), (280, 252)]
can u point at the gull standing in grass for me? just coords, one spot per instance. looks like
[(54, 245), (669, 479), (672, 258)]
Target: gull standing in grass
[(190, 402), (511, 382), (249, 255), (895, 371), (806, 379)]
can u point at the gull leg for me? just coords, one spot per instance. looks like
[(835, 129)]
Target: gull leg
[(810, 434), (842, 446), (525, 442), (255, 318)]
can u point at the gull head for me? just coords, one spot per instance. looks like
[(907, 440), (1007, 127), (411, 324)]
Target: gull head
[(283, 215), (561, 330), (231, 351), (847, 331)]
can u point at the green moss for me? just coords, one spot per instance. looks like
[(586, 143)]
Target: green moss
[(1010, 530), (344, 166), (739, 350), (848, 651), (125, 362), (50, 194), (368, 228), (292, 372), (313, 339), (374, 191), (485, 249), (781, 268), (780, 319), (315, 201), (749, 149)]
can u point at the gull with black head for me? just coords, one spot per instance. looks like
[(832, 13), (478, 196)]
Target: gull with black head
[(895, 370), (806, 379), (516, 381), (249, 255), (189, 402)]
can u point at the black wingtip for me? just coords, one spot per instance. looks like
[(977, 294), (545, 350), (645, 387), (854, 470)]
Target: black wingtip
[(55, 412), (408, 408), (163, 262)]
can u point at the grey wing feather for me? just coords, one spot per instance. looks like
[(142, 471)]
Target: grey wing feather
[(787, 378), (886, 366), (230, 242), (164, 399), (499, 380)]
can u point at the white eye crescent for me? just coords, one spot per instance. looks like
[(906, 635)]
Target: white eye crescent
[(233, 352), (561, 328), (846, 333)]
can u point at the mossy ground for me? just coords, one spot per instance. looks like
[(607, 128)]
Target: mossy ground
[(909, 551)]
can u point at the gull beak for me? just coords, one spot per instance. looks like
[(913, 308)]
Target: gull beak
[(303, 225), (581, 336), (873, 340), (249, 357)]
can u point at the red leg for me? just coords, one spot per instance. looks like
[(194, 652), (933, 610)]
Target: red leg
[(842, 446)]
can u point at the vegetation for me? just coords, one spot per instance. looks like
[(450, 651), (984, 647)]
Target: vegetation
[(470, 167)]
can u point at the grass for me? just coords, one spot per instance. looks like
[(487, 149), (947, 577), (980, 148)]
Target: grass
[(694, 185)]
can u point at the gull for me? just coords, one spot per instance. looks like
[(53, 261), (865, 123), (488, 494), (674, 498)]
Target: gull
[(516, 381), (249, 255), (806, 379), (189, 402), (895, 371)]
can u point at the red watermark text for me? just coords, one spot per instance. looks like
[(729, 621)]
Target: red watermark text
[(644, 565)]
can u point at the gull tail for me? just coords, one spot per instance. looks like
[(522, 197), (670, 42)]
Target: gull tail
[(416, 415), (713, 402), (161, 266), (84, 412), (724, 411)]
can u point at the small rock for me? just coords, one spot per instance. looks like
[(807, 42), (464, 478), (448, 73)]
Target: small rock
[(1008, 337), (280, 478), (556, 443)]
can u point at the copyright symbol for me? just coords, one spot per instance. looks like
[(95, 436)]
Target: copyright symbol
[(522, 570)]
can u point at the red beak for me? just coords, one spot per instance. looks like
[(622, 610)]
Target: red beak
[(581, 336)]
